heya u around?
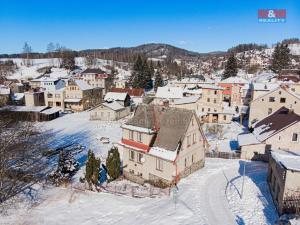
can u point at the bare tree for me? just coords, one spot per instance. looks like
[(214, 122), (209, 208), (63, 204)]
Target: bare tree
[(22, 161), (27, 50), (90, 60)]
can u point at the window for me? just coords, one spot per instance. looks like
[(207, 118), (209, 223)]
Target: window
[(272, 99), (192, 158), (279, 92), (49, 95), (58, 104), (208, 99), (139, 136), (282, 100), (224, 117), (50, 104), (216, 92), (159, 164), (188, 141), (57, 95), (208, 109), (131, 171), (185, 162), (295, 137), (139, 157), (131, 155), (131, 135), (215, 100), (202, 109), (262, 99), (269, 110), (293, 89), (194, 138)]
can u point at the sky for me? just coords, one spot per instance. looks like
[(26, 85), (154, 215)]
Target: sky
[(201, 25)]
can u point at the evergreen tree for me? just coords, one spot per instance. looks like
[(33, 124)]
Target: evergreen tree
[(136, 79), (158, 80), (230, 67), (113, 163), (280, 58), (148, 73), (92, 168)]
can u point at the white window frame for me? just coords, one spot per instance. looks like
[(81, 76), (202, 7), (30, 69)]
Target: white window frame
[(131, 155), (131, 134), (159, 164)]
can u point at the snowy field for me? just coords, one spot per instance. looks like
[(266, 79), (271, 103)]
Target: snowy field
[(209, 196)]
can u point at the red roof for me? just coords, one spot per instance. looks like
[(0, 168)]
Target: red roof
[(131, 91)]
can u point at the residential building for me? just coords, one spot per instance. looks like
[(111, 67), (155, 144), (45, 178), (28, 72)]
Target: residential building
[(136, 94), (34, 98), (168, 93), (270, 102), (81, 96), (97, 78), (233, 90), (284, 181), (162, 144), (279, 130), (109, 111), (120, 97), (54, 92)]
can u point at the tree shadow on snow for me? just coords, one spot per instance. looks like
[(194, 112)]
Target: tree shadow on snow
[(257, 172)]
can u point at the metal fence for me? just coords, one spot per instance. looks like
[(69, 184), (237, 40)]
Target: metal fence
[(129, 190), (223, 155)]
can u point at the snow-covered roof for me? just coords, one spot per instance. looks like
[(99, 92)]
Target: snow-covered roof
[(186, 100), (265, 86), (163, 153), (27, 108), (113, 105), (247, 139), (50, 111), (211, 86), (234, 80), (83, 85), (136, 128), (4, 90), (115, 96), (169, 92), (192, 91), (72, 100), (18, 96), (290, 161)]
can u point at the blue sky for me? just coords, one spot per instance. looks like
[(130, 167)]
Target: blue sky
[(202, 25)]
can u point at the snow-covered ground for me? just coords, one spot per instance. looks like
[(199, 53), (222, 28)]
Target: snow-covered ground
[(228, 141), (78, 129), (208, 196)]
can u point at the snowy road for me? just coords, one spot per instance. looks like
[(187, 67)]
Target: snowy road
[(209, 196)]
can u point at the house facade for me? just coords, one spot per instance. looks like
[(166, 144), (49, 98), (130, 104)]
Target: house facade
[(268, 103), (284, 180), (162, 144), (109, 112), (81, 96), (280, 130)]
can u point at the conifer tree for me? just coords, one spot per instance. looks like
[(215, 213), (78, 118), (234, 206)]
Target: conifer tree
[(148, 73), (136, 76), (113, 163), (158, 80), (230, 67), (92, 168), (280, 58)]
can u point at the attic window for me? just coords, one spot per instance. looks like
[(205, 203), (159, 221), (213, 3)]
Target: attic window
[(272, 99), (282, 100), (279, 92), (295, 137)]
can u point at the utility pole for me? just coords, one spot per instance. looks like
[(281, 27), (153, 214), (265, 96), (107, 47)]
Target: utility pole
[(244, 172)]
